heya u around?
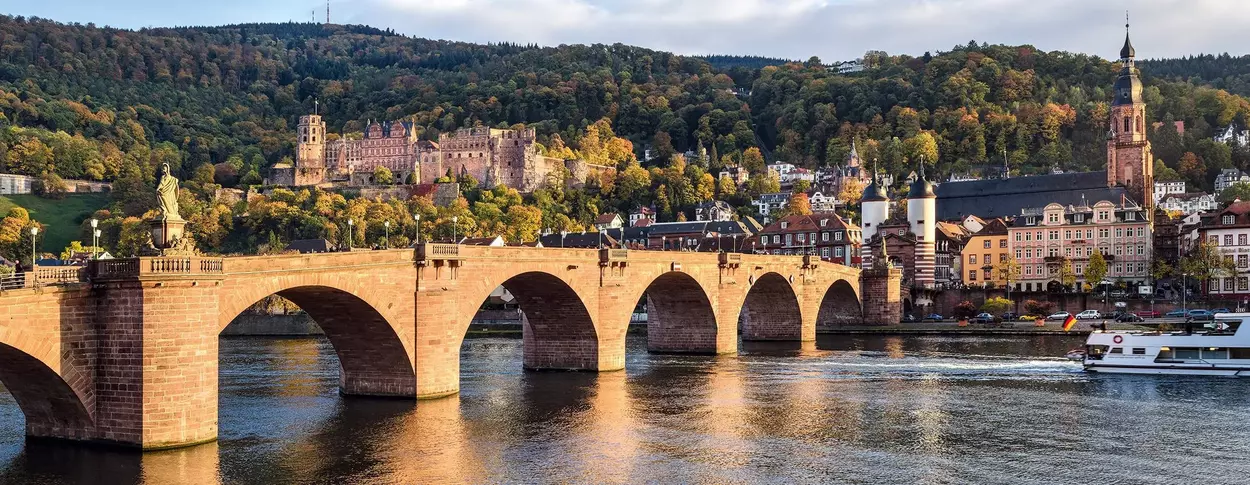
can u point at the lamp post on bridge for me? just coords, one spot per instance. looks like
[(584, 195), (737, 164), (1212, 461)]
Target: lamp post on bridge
[(735, 247), (562, 234), (351, 224), (34, 231), (387, 224), (455, 239), (95, 238), (663, 243)]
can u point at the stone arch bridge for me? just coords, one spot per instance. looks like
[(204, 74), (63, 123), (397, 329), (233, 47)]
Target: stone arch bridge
[(125, 351)]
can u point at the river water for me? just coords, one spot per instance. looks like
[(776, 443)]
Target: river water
[(892, 410)]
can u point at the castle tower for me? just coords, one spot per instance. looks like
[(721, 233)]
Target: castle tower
[(875, 206), (311, 151), (922, 216), (1129, 160)]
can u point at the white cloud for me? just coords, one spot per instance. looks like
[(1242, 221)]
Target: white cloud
[(831, 29)]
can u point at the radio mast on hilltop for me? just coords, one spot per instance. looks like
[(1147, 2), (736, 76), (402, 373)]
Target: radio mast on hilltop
[(327, 12)]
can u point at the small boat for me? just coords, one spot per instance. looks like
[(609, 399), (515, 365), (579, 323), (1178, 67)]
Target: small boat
[(1220, 348), (1076, 354)]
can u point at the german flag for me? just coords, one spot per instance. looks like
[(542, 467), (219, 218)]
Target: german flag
[(1069, 322)]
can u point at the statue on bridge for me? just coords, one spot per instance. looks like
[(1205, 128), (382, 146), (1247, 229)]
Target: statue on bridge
[(168, 235), (167, 194)]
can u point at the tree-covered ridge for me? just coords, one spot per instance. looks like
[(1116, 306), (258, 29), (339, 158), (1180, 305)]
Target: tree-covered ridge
[(1224, 71), (217, 92), (964, 108), (726, 62)]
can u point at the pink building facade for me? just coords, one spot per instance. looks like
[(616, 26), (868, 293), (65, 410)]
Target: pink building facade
[(1043, 239)]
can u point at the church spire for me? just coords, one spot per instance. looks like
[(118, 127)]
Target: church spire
[(1127, 52)]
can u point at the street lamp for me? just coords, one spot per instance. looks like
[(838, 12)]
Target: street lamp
[(350, 233), (663, 243), (95, 238), (562, 234), (387, 224), (735, 247), (417, 217), (454, 235), (34, 231)]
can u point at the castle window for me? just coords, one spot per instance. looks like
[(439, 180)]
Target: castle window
[(1128, 124)]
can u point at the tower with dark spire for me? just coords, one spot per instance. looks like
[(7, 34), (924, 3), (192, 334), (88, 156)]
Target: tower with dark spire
[(1130, 163)]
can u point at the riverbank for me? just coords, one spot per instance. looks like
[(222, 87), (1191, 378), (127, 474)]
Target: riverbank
[(299, 325)]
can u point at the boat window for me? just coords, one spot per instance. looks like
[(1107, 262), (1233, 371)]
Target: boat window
[(1139, 351), (1214, 353), (1117, 350), (1240, 353), (1186, 353), (1165, 354), (1225, 327)]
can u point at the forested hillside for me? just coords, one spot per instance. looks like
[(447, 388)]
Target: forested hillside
[(219, 104)]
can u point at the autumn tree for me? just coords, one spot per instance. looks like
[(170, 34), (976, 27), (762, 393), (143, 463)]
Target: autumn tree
[(852, 191), (1096, 270), (1206, 262), (799, 205)]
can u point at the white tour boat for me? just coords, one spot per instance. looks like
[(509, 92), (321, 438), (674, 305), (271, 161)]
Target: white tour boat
[(1221, 348)]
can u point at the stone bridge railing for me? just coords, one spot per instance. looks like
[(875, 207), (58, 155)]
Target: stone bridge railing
[(160, 265)]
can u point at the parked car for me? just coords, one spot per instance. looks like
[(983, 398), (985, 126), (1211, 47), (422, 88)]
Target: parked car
[(1129, 318), (1088, 315), (1058, 316), (1147, 314), (1220, 310), (1200, 316), (982, 318), (1010, 316), (909, 318), (933, 317), (1176, 313)]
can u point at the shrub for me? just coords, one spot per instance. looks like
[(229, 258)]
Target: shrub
[(1039, 308), (996, 306), (964, 310)]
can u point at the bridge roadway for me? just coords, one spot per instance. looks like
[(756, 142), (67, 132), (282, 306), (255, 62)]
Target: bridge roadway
[(125, 351)]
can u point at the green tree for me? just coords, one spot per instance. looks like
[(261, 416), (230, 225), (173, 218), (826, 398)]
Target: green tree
[(1206, 262), (996, 306), (383, 176), (1096, 270), (802, 186), (1237, 191)]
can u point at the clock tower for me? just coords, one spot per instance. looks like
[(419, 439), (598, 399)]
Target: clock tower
[(1130, 163)]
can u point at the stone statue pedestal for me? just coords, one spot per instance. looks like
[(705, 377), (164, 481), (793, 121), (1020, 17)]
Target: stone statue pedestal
[(169, 239), (166, 232)]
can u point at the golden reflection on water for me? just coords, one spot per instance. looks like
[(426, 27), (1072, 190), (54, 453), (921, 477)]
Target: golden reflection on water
[(197, 464), (609, 434), (433, 445), (295, 358)]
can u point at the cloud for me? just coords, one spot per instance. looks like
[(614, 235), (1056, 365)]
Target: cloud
[(831, 29)]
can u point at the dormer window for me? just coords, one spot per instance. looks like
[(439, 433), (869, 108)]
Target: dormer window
[(1228, 219), (1128, 216), (785, 224)]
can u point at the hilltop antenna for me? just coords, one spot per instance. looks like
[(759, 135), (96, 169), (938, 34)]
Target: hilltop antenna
[(312, 16), (327, 12)]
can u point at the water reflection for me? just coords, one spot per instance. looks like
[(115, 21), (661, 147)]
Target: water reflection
[(843, 409)]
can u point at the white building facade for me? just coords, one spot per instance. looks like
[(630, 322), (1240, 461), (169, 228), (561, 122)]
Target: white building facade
[(1164, 189), (1190, 203)]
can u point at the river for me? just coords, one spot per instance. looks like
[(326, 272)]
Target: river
[(877, 409)]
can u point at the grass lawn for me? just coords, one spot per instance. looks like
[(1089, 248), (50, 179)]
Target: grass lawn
[(60, 218)]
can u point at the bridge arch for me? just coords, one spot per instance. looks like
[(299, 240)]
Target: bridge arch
[(771, 310), (840, 305), (54, 396), (680, 316), (558, 330), (373, 358)]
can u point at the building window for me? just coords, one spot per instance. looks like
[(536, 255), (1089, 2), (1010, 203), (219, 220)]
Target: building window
[(1241, 239), (776, 239), (812, 237), (1002, 257), (784, 224), (837, 236), (1215, 240), (1017, 237), (1067, 235), (801, 237), (1228, 239), (986, 259), (1119, 232), (824, 236), (1243, 283), (972, 275), (1028, 236), (1228, 219), (1129, 216), (1053, 252), (1089, 234), (1141, 249), (986, 243), (1053, 217), (1078, 218), (1017, 254), (1054, 235), (986, 273), (824, 253), (972, 259), (1080, 269), (837, 251), (1067, 252), (1002, 243), (1119, 250), (1228, 284), (1028, 270)]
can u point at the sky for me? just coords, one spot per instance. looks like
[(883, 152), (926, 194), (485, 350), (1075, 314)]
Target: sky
[(793, 29)]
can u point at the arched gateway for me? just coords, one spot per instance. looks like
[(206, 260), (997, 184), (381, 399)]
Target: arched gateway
[(125, 352)]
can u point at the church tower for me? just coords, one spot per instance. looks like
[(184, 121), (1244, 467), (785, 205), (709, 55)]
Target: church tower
[(1129, 160)]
